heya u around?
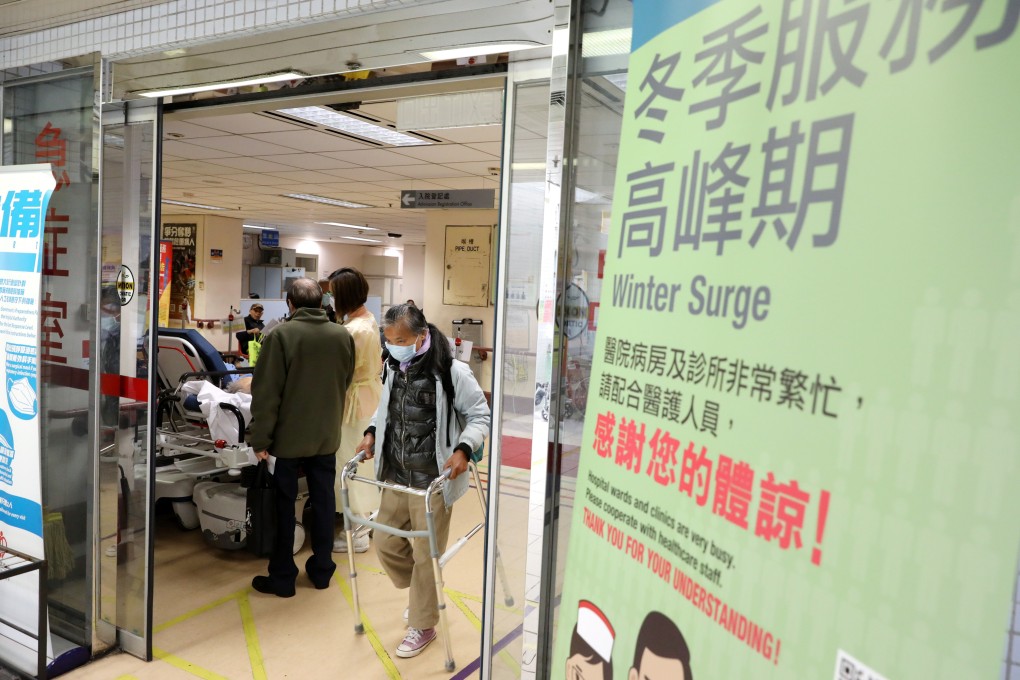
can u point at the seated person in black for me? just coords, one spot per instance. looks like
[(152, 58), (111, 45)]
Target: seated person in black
[(253, 326)]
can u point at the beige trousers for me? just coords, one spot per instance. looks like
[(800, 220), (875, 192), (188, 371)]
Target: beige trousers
[(409, 563)]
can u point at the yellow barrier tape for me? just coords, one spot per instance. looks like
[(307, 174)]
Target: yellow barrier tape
[(251, 638), (201, 610), (391, 669), (477, 623), (185, 666)]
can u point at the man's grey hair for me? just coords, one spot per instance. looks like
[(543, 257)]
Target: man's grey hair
[(305, 294)]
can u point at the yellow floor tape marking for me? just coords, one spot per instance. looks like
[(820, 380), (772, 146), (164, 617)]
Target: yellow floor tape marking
[(201, 610), (185, 666), (127, 677), (251, 637), (479, 599), (477, 623), (391, 670)]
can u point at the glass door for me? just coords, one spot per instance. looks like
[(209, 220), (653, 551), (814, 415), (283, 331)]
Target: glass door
[(50, 116), (125, 360)]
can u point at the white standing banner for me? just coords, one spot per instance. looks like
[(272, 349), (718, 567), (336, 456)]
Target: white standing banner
[(24, 195)]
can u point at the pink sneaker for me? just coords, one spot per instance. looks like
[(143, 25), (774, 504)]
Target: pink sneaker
[(415, 642)]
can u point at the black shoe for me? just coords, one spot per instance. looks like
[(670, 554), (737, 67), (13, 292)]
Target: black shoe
[(321, 586), (264, 584)]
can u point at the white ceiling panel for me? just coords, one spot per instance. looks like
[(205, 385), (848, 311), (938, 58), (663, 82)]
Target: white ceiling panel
[(474, 168), (365, 174), (253, 178), (197, 168), (192, 151), (310, 140), (461, 182), (423, 171), (304, 177), (311, 161), (386, 110), (246, 123), (240, 145), (494, 149), (372, 158), (252, 164), (470, 135), (187, 130), (444, 153)]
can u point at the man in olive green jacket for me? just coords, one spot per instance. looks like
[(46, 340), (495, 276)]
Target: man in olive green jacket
[(298, 392)]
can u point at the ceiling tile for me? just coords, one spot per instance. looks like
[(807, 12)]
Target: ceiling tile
[(470, 135), (193, 151), (194, 168), (240, 145), (311, 141), (245, 123), (312, 161), (365, 174), (304, 177), (373, 158), (423, 171), (445, 153), (494, 149), (250, 164), (187, 130), (474, 168), (386, 110), (253, 178)]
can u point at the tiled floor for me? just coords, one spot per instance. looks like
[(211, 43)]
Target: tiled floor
[(210, 624)]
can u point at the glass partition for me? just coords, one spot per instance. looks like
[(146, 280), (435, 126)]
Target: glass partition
[(51, 119), (125, 352), (520, 405)]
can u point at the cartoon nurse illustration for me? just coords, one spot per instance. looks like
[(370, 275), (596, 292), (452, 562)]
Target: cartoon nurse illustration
[(591, 645)]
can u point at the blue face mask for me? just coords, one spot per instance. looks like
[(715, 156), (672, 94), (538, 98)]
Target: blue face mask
[(401, 353)]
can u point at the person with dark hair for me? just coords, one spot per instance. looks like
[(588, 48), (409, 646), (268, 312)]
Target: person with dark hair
[(299, 387), (350, 292), (661, 652), (327, 299), (432, 415), (591, 645)]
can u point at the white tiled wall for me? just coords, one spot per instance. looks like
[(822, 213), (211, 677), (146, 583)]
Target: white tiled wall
[(175, 24)]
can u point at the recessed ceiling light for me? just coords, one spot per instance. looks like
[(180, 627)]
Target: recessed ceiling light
[(477, 50), (348, 226), (185, 204), (254, 226), (328, 201), (320, 115), (618, 79), (358, 238), (270, 78)]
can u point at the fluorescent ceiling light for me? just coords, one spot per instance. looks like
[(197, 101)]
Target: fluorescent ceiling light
[(185, 204), (358, 238), (271, 78), (320, 115), (528, 166), (252, 226), (606, 43), (477, 50), (348, 226), (328, 201)]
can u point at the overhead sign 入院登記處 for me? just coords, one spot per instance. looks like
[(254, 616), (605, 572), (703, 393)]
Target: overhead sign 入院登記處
[(450, 199)]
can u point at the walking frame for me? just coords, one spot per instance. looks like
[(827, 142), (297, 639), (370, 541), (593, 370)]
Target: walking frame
[(438, 561)]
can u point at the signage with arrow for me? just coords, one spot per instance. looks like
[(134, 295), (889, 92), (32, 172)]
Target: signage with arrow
[(484, 199)]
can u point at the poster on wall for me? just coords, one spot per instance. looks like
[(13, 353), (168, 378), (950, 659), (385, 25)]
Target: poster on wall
[(801, 454), (183, 237), (166, 268), (24, 197), (466, 266)]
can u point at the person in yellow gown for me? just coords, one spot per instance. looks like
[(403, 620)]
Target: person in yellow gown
[(350, 292)]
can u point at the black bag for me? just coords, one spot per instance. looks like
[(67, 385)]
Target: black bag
[(262, 512)]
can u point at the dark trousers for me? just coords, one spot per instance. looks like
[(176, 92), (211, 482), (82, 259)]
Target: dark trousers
[(320, 472)]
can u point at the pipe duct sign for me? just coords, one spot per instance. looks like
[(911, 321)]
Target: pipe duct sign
[(800, 455), (24, 195)]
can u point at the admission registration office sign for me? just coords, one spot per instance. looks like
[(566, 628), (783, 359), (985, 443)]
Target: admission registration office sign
[(800, 455)]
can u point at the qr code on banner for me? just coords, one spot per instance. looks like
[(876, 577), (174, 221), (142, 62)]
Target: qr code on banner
[(849, 668)]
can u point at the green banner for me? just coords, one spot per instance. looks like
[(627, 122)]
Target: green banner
[(800, 452)]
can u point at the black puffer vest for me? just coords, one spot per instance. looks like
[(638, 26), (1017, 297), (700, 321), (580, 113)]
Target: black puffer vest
[(409, 457)]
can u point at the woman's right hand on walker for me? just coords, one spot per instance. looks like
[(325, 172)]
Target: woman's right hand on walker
[(367, 446)]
